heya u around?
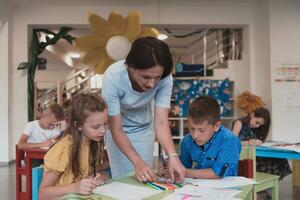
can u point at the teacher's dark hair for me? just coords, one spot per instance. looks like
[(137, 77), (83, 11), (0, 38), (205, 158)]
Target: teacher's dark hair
[(147, 52)]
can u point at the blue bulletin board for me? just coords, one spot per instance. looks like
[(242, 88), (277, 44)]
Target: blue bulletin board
[(187, 90)]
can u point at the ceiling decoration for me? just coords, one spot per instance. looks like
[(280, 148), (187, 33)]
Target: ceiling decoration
[(111, 39)]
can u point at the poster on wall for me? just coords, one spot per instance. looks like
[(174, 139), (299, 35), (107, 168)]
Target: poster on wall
[(286, 81), (287, 72)]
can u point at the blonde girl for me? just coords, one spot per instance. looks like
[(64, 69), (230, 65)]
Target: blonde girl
[(72, 165)]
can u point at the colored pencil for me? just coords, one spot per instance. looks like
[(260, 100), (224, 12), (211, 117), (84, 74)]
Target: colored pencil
[(152, 186), (178, 185), (160, 187)]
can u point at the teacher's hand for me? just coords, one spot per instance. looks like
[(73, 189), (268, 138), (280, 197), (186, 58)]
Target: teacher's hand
[(143, 172), (176, 169)]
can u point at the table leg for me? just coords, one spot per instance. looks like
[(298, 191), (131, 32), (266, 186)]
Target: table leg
[(275, 191), (28, 165), (296, 172)]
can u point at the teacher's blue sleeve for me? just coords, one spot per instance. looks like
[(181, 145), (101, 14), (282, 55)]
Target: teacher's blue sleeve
[(111, 95), (164, 92)]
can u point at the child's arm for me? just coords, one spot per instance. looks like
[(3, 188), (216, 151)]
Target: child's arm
[(201, 173), (237, 126), (255, 142), (22, 144), (187, 161), (48, 189)]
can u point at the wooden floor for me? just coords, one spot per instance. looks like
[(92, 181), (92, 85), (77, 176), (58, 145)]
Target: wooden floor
[(8, 185), (287, 191)]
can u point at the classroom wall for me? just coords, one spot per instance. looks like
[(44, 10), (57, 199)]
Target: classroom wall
[(56, 71), (285, 48), (4, 74), (232, 12)]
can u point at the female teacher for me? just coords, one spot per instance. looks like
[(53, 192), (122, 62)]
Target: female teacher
[(131, 88)]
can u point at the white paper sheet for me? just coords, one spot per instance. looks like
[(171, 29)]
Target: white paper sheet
[(283, 145), (227, 182), (122, 191), (175, 196), (190, 192)]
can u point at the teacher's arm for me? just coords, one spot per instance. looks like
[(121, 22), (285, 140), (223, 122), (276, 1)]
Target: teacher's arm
[(164, 136), (142, 170)]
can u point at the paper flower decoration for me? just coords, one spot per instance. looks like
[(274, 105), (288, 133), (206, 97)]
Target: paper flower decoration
[(249, 102), (111, 39)]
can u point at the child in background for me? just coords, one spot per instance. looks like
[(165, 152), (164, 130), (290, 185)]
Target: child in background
[(42, 132), (210, 150), (253, 130), (71, 165)]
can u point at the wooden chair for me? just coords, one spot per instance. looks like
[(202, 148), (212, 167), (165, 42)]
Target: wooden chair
[(26, 171), (264, 181), (37, 176)]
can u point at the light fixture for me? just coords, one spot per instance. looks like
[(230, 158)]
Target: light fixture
[(162, 36)]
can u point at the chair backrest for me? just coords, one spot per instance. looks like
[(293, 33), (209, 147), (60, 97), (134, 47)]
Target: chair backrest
[(247, 163), (37, 176)]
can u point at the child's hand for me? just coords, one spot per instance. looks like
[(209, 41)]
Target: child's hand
[(98, 179), (48, 143), (85, 186)]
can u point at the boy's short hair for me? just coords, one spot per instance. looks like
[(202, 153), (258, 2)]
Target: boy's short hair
[(57, 111), (205, 108)]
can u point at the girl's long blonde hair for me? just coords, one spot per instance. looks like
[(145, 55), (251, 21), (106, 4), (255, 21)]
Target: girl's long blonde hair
[(82, 106)]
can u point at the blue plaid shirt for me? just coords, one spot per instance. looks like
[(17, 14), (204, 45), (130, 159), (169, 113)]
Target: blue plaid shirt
[(221, 153)]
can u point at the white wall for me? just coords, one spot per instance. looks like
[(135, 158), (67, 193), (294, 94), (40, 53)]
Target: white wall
[(285, 48), (56, 71), (4, 74), (232, 12)]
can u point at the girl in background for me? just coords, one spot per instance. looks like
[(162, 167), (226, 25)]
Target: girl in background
[(71, 165), (253, 130)]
